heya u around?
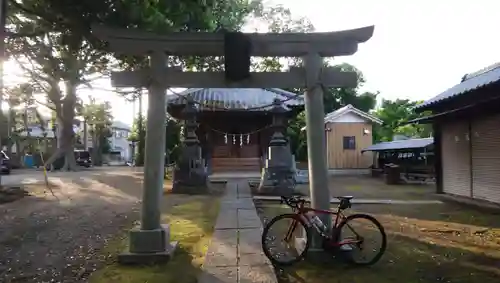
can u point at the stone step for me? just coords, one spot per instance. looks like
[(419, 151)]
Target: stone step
[(236, 164)]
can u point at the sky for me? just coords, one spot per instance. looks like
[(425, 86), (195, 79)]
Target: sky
[(419, 48)]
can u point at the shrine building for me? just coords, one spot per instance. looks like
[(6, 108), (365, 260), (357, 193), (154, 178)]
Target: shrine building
[(235, 125)]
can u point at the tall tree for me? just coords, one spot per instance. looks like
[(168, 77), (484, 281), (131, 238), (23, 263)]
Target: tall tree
[(280, 19), (54, 46), (138, 133), (99, 118), (22, 114), (334, 98), (395, 114)]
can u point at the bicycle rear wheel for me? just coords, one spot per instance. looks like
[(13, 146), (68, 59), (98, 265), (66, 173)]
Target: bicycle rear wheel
[(279, 239), (361, 233)]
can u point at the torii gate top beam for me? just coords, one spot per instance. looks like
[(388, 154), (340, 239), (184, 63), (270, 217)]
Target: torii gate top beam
[(326, 44)]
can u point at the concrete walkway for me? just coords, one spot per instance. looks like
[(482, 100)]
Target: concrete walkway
[(235, 253)]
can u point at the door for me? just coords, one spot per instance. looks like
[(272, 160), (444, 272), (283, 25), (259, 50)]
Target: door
[(486, 159), (456, 159)]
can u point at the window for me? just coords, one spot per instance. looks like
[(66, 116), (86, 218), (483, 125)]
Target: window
[(349, 142)]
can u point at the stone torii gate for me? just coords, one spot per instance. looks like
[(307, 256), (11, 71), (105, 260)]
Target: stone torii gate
[(152, 240)]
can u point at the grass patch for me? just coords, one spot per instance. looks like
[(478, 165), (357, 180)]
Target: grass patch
[(214, 189), (426, 243), (192, 219)]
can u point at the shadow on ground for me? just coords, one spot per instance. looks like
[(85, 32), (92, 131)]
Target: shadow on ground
[(71, 230)]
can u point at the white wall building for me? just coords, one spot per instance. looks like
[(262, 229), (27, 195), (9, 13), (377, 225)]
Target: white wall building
[(119, 140)]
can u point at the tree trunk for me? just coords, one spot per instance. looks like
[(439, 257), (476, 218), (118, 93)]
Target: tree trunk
[(66, 135), (18, 151), (26, 128), (96, 149), (85, 135)]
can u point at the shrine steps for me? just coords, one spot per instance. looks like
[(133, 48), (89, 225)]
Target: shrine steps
[(227, 164)]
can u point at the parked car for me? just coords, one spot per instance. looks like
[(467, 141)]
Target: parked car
[(83, 158), (5, 167)]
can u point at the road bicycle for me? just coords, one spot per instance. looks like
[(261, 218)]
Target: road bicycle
[(305, 220)]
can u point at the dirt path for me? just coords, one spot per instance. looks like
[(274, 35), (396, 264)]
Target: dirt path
[(56, 239)]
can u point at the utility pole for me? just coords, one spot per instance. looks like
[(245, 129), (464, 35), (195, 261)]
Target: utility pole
[(3, 17)]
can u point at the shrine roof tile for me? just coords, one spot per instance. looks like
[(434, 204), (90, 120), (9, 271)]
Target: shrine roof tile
[(237, 98)]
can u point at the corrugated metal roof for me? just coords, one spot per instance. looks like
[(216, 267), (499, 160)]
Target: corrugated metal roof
[(472, 81), (400, 144), (236, 98)]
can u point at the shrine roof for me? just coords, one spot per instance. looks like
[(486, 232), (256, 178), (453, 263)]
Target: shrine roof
[(237, 98)]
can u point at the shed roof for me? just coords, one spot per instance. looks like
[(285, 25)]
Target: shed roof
[(330, 117), (470, 82), (237, 98), (400, 144)]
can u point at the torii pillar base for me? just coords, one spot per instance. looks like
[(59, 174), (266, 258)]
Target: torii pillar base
[(148, 247)]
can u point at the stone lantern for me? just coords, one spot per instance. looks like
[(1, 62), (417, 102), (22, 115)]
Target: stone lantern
[(277, 177), (190, 176)]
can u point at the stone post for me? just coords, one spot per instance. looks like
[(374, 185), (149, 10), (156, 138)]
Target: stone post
[(151, 242)]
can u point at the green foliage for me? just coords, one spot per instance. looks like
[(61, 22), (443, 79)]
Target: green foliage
[(336, 98), (395, 115), (333, 99), (105, 145), (138, 136), (52, 42), (134, 133), (21, 116), (99, 120), (280, 19), (297, 138), (196, 15), (173, 140)]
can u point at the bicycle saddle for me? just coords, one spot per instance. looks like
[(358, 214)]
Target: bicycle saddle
[(345, 197)]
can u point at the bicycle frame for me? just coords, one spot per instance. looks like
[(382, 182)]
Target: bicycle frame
[(301, 212)]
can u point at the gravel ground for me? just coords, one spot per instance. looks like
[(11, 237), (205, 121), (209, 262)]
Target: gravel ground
[(57, 239)]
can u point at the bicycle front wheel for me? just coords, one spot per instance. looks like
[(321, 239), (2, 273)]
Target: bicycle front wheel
[(362, 238), (286, 239)]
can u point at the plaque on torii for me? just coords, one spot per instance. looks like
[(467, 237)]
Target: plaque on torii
[(151, 241)]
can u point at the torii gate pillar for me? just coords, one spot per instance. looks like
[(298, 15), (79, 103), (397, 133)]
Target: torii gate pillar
[(151, 241)]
